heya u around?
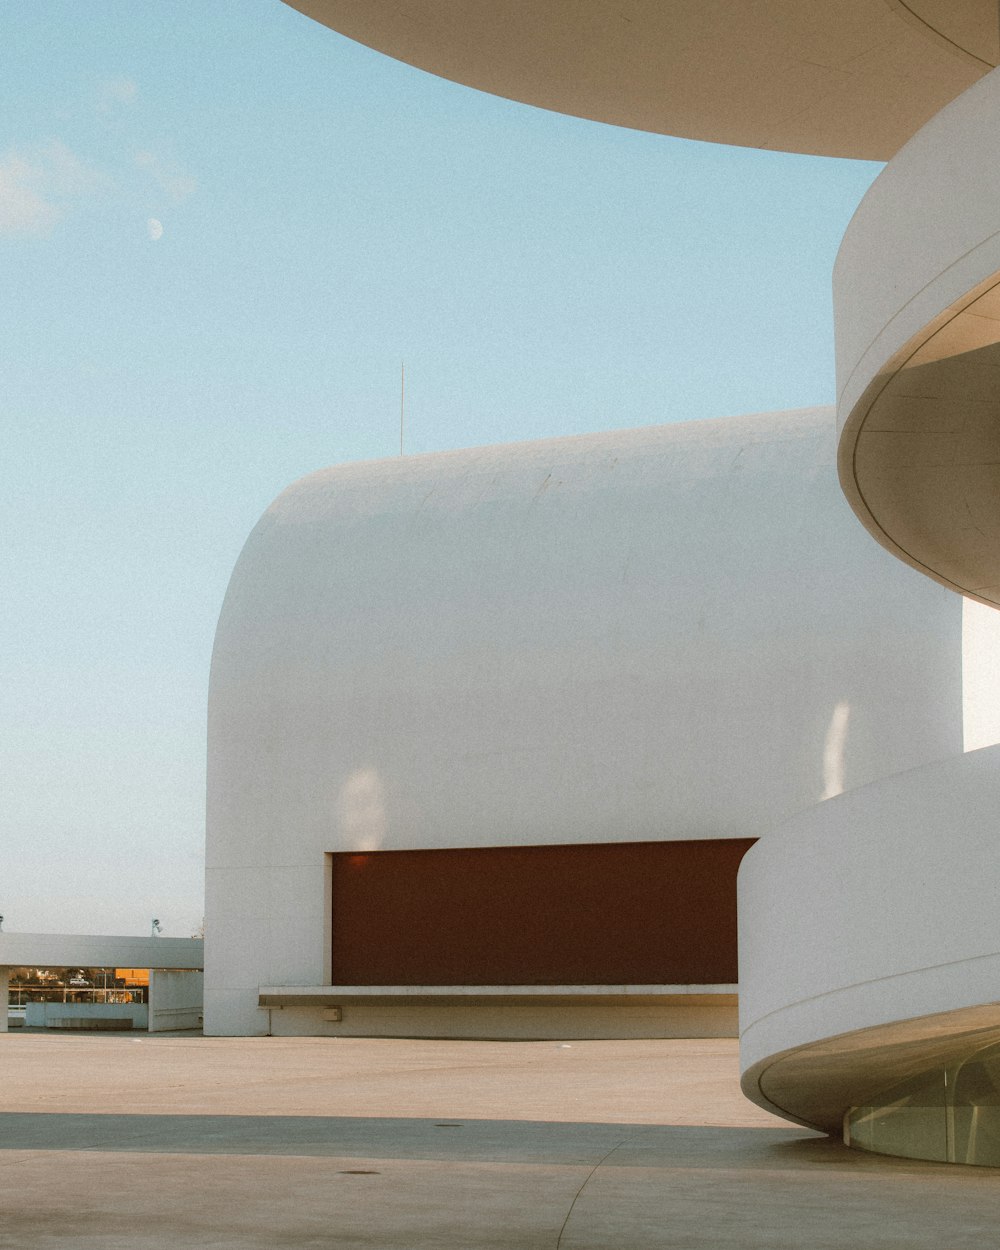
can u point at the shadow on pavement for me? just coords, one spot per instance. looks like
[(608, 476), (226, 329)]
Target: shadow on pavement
[(496, 1141)]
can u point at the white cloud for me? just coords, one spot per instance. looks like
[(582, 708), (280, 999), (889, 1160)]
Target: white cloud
[(115, 91), (170, 178), (39, 184), (23, 207)]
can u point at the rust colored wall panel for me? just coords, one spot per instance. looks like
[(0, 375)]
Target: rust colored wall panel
[(633, 913)]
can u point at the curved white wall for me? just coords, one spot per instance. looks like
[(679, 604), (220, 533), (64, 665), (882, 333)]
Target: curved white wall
[(917, 304), (676, 632), (924, 235), (875, 908)]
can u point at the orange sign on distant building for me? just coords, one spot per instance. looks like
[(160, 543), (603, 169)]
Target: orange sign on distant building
[(132, 976)]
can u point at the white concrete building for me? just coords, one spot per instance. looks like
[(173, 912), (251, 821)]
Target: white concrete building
[(663, 641), (548, 646)]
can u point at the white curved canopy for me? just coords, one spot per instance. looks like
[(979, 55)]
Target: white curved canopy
[(832, 77)]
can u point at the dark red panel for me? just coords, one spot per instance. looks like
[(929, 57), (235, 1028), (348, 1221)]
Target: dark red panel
[(633, 913)]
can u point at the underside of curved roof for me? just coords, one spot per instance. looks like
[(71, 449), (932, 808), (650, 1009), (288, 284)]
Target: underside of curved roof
[(851, 78)]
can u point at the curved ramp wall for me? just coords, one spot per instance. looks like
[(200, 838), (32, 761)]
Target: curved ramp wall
[(661, 634), (869, 940), (917, 305)]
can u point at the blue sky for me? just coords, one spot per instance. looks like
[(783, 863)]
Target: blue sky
[(222, 228)]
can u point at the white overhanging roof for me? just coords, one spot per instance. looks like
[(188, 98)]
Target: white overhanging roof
[(833, 77)]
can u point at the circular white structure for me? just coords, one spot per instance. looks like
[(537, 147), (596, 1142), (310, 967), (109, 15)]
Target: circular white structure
[(917, 350), (869, 943)]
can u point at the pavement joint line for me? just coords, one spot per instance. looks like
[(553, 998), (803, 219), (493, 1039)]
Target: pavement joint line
[(586, 1182)]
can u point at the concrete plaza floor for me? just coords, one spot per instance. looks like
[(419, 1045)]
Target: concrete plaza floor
[(148, 1142)]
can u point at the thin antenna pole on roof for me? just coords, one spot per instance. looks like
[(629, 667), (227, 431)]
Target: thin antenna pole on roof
[(402, 402)]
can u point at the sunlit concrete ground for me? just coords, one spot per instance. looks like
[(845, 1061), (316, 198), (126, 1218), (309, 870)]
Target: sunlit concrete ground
[(134, 1143)]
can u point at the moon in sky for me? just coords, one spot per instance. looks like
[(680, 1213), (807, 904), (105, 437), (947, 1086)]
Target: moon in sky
[(155, 228)]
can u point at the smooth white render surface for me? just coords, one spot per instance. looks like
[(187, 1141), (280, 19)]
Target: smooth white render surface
[(924, 235), (666, 633), (917, 304), (875, 908)]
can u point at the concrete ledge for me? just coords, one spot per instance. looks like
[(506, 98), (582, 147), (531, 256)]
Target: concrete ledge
[(325, 995), (499, 1012), (89, 1022)]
